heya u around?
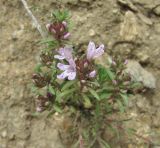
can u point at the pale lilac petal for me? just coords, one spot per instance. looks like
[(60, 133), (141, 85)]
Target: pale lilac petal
[(90, 50), (66, 36), (99, 51), (59, 57), (126, 62), (71, 75), (66, 52), (64, 23), (72, 63), (53, 30), (48, 26), (92, 74), (63, 75), (63, 66)]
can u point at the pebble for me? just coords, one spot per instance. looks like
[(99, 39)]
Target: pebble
[(129, 4), (144, 58), (145, 19), (129, 28), (72, 2), (143, 104), (92, 33), (4, 134), (86, 1), (157, 11), (139, 74)]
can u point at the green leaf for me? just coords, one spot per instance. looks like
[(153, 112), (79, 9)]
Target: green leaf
[(104, 144), (51, 90), (105, 95), (65, 93), (114, 130), (111, 75), (38, 67), (60, 15), (50, 43), (57, 108), (35, 114), (130, 131), (67, 85), (87, 102), (94, 93), (94, 83), (102, 72), (125, 98), (121, 107)]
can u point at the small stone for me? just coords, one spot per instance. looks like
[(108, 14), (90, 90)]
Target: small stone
[(144, 58), (129, 4), (157, 10), (17, 34), (3, 145), (91, 32), (139, 74), (157, 27), (4, 134), (72, 2), (156, 119), (129, 28), (143, 104), (115, 11), (145, 19), (100, 3), (86, 1)]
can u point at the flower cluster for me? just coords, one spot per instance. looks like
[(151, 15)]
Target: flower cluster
[(59, 30), (69, 81), (82, 68)]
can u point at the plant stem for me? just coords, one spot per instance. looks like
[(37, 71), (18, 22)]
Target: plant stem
[(35, 21)]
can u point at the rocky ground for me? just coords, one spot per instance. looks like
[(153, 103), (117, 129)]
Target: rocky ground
[(132, 28)]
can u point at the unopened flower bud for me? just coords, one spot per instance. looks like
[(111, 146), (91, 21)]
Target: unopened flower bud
[(85, 65), (114, 82), (53, 30), (64, 23), (126, 62), (48, 26), (92, 74), (83, 81), (66, 36), (114, 63)]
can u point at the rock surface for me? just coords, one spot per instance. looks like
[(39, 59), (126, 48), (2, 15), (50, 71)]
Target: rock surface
[(139, 74), (18, 42), (129, 28)]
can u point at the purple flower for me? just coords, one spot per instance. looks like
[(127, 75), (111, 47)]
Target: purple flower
[(92, 74), (69, 70), (64, 53), (93, 52)]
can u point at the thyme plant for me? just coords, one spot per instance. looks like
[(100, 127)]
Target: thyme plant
[(67, 80)]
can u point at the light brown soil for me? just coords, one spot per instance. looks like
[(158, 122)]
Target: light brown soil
[(97, 20)]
